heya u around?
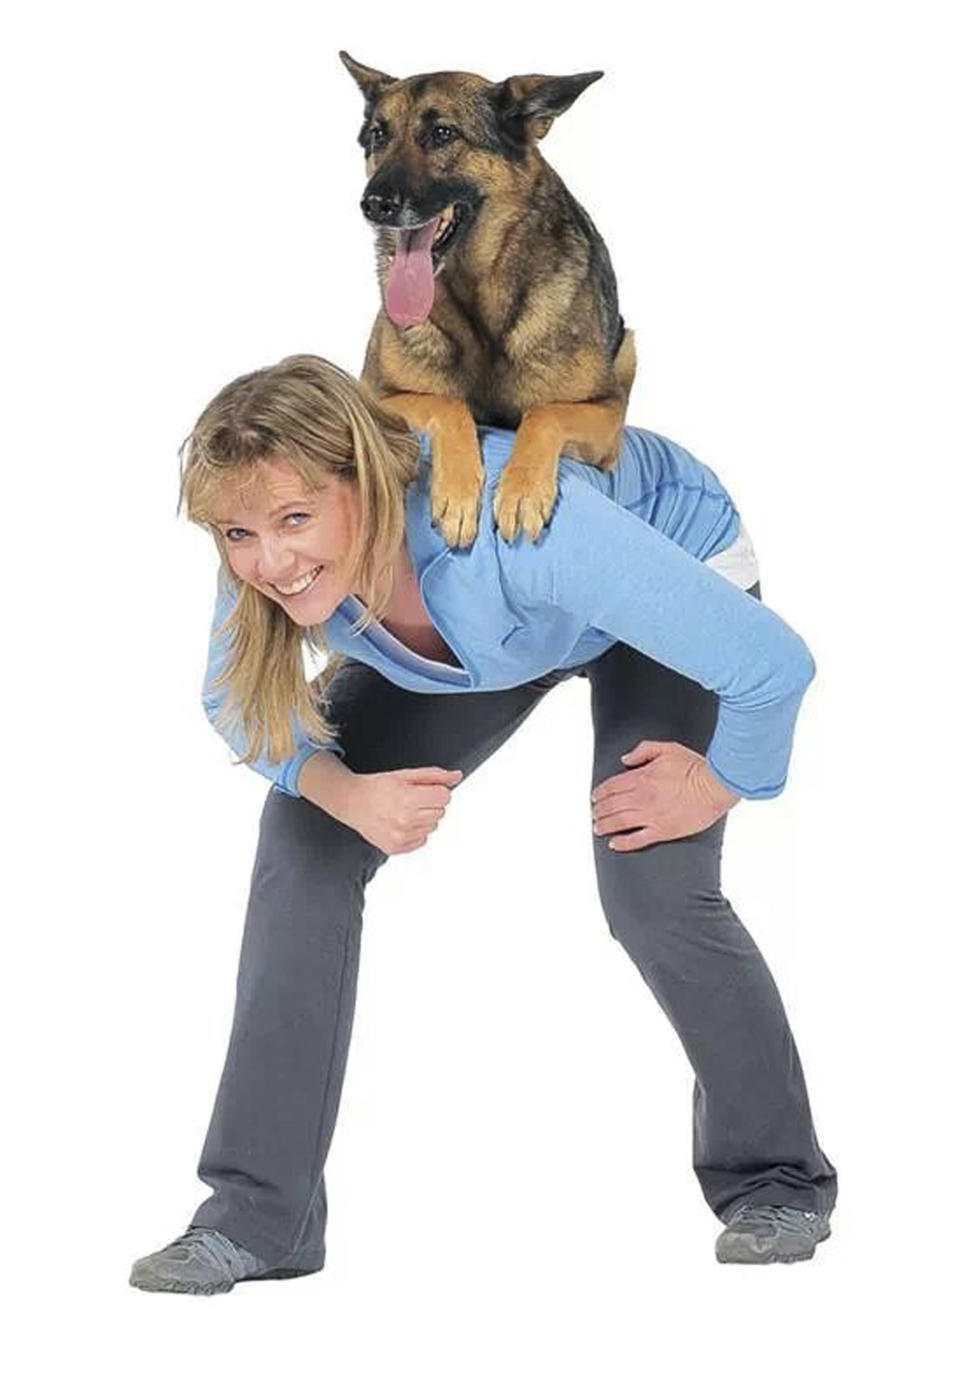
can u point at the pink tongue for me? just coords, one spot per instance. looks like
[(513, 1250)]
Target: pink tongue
[(408, 296)]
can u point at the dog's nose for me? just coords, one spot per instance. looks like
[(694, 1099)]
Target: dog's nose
[(381, 207)]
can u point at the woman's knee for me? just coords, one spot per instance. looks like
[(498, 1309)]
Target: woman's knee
[(686, 929), (671, 885), (298, 836)]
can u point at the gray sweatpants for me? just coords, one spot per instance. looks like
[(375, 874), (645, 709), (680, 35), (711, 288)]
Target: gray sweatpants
[(264, 1154)]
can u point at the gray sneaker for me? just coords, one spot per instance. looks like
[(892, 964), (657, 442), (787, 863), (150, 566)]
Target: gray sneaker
[(201, 1261), (771, 1235)]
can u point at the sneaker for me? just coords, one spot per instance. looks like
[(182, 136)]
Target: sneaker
[(771, 1235), (201, 1261)]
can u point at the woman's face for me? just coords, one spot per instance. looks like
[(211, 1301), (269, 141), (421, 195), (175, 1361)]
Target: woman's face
[(291, 542)]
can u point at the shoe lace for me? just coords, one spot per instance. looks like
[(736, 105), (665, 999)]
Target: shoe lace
[(779, 1217), (214, 1243)]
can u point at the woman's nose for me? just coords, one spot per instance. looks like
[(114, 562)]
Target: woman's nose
[(278, 560)]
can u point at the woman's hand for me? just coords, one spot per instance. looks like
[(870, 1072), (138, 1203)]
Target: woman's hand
[(396, 811), (671, 793)]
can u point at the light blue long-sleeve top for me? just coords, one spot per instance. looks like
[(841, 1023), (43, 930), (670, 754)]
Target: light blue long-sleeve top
[(636, 554)]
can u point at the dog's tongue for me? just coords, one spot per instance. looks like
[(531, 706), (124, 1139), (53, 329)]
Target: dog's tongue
[(408, 296)]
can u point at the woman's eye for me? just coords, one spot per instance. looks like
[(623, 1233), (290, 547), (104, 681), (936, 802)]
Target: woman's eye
[(296, 515), (229, 535)]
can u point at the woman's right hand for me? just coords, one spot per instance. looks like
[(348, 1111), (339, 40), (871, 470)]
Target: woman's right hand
[(396, 811)]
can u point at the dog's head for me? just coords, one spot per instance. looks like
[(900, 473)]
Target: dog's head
[(438, 147)]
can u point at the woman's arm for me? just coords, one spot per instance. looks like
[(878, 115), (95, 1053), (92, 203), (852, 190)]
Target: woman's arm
[(395, 811), (616, 573), (284, 773), (325, 781)]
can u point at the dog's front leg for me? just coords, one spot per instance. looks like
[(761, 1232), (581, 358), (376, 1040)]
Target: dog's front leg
[(457, 464), (527, 490)]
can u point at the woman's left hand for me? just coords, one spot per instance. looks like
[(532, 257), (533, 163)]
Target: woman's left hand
[(670, 793)]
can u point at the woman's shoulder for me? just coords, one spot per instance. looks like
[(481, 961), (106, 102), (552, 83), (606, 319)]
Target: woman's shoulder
[(655, 480), (647, 461), (586, 527), (603, 520)]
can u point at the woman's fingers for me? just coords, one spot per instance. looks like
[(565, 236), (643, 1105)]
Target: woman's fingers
[(416, 837), (614, 787), (607, 821), (408, 842), (431, 797), (410, 846), (635, 840), (434, 774)]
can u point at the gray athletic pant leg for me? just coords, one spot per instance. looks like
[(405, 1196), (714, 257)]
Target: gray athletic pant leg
[(277, 1101), (753, 1135)]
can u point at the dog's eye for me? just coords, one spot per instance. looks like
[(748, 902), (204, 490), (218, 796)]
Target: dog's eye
[(443, 134), (378, 137)]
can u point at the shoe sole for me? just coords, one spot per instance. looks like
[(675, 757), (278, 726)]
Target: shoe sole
[(278, 1273), (212, 1289), (743, 1254), (188, 1289)]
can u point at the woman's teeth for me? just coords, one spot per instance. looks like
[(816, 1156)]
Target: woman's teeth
[(298, 586)]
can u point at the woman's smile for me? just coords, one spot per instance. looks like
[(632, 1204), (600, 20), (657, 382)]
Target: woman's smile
[(297, 588), (276, 527)]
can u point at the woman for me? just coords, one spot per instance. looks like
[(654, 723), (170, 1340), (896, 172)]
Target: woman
[(644, 582)]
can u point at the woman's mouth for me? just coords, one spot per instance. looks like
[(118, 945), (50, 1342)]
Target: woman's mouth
[(297, 588)]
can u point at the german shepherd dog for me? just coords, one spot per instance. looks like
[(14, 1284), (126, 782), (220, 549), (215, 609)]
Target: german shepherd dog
[(499, 299)]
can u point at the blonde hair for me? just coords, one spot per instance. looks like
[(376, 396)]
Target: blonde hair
[(322, 421)]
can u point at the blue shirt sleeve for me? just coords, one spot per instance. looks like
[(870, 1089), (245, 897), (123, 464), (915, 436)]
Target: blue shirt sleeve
[(283, 773), (619, 574)]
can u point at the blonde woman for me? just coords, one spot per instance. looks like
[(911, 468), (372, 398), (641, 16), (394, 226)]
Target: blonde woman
[(645, 583)]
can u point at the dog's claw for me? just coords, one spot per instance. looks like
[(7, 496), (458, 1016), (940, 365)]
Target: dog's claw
[(507, 526), (516, 510), (457, 522)]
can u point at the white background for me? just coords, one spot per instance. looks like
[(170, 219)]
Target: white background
[(510, 1186)]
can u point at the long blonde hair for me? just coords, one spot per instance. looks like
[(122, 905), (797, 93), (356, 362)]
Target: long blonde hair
[(321, 420)]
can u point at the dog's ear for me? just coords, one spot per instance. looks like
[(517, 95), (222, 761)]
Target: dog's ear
[(528, 106), (368, 79)]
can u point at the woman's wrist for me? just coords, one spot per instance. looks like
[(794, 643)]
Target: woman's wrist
[(325, 781), (717, 792)]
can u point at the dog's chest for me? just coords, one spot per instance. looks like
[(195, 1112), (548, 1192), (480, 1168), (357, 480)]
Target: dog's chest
[(495, 399), (473, 367)]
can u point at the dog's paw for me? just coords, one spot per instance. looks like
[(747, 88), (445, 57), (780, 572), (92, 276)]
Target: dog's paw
[(456, 510), (524, 501)]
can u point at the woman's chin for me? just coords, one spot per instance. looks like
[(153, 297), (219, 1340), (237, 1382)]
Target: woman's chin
[(308, 612), (313, 608)]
